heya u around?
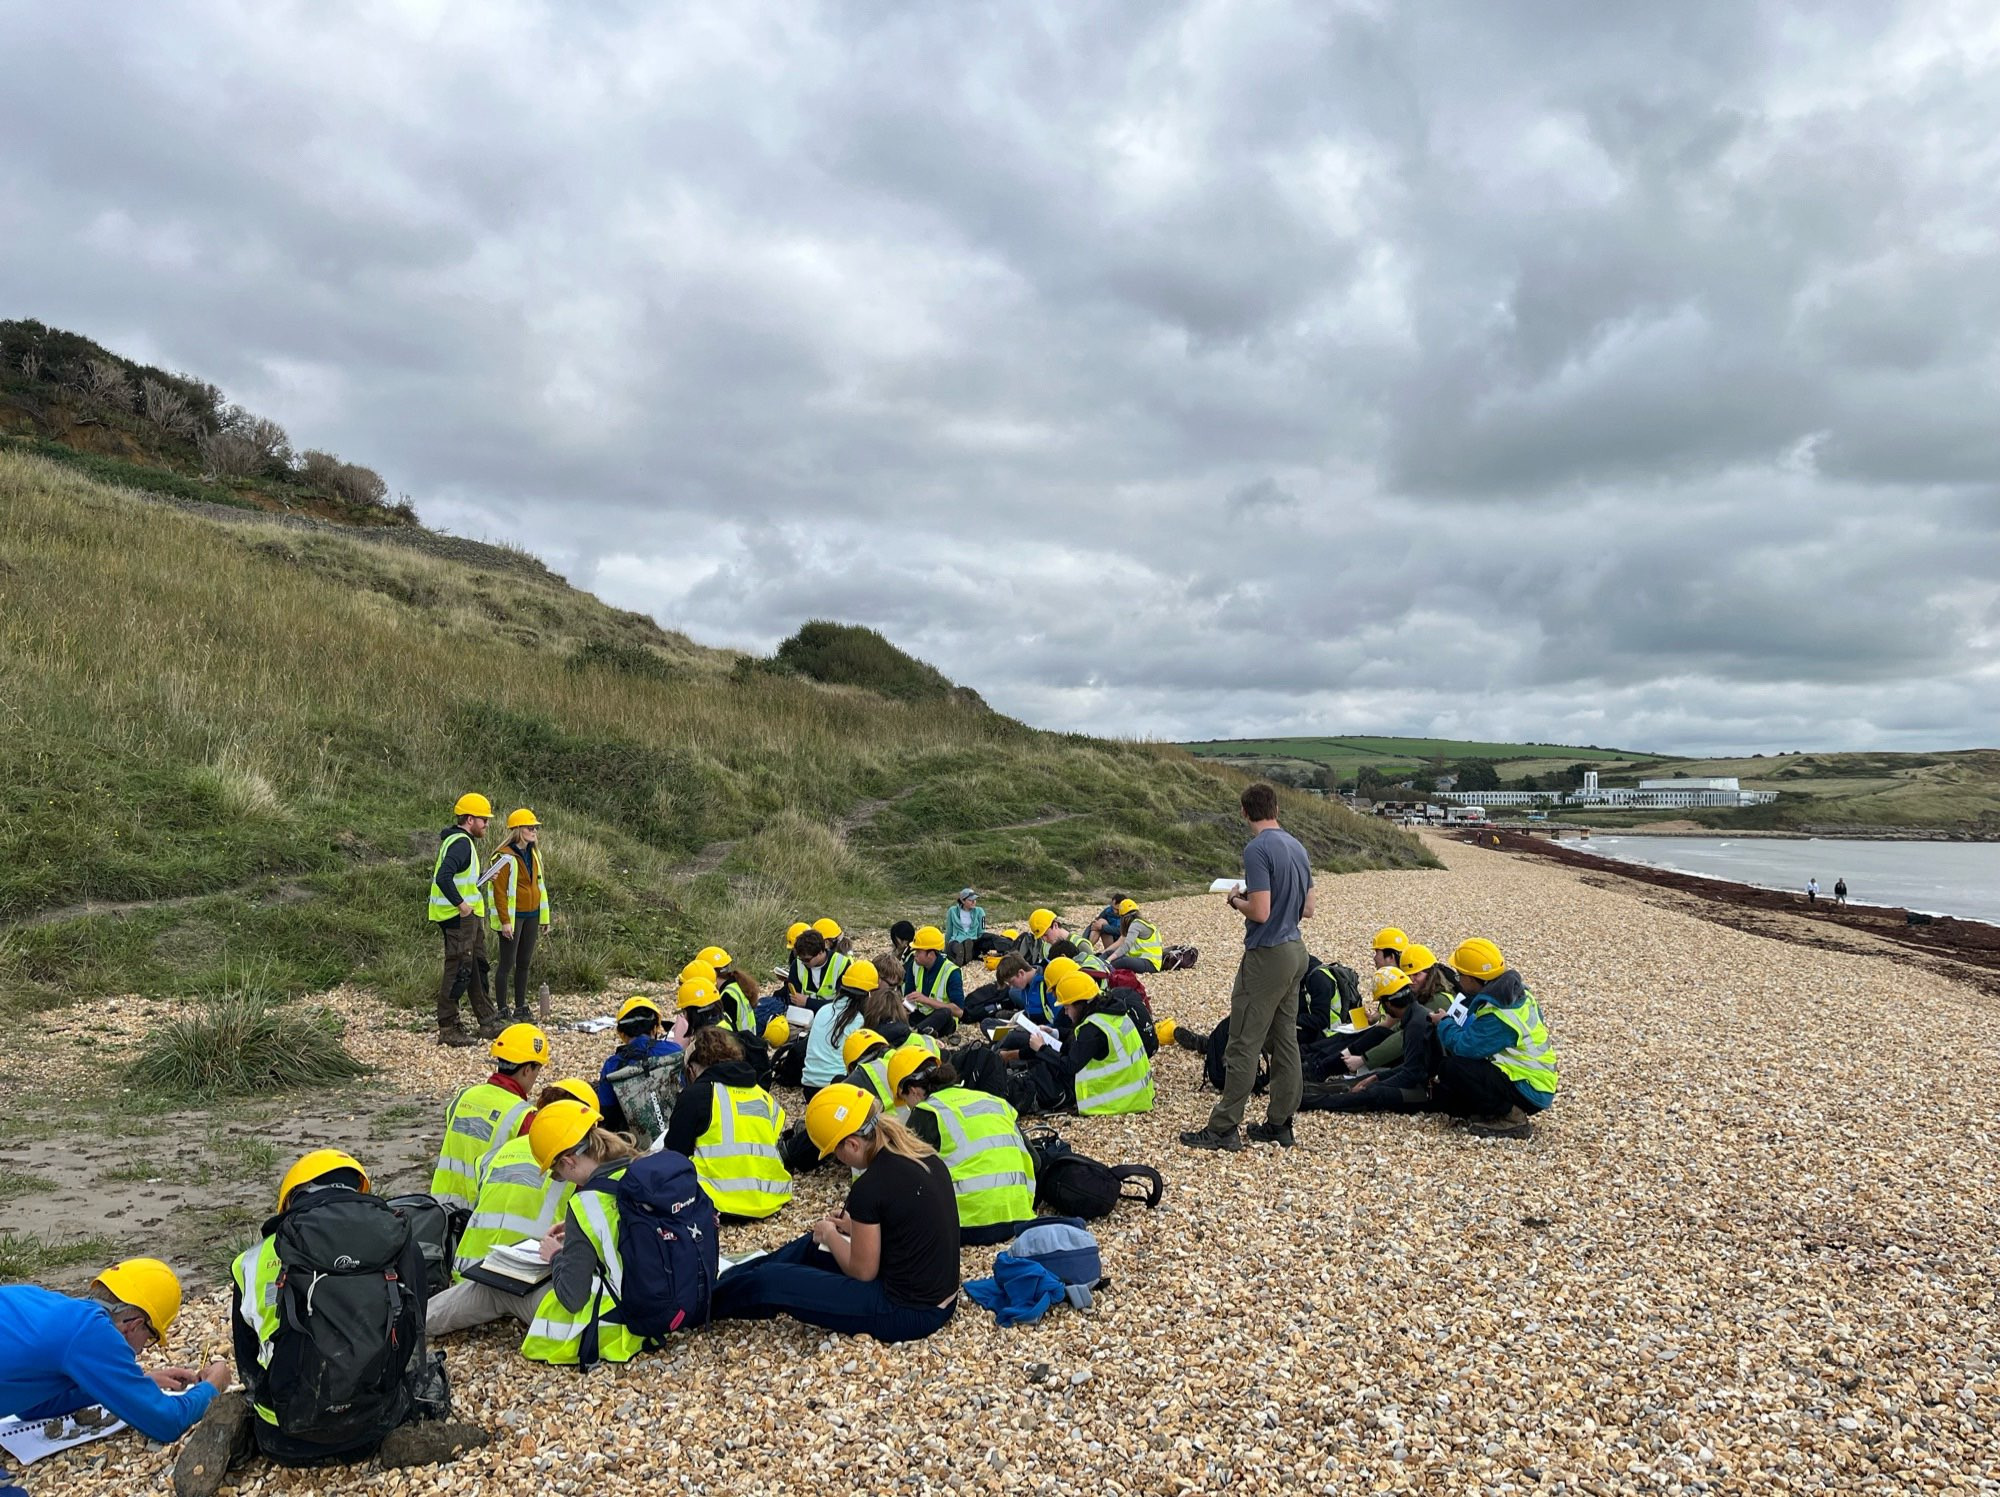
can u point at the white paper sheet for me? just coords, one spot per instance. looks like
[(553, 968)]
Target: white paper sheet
[(28, 1441), (1226, 886)]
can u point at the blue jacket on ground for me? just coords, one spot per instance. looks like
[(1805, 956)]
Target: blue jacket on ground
[(1481, 1035), (59, 1354)]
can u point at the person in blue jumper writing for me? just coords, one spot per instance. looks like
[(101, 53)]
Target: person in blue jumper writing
[(59, 1353), (1498, 1068)]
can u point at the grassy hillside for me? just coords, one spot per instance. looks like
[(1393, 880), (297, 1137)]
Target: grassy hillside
[(249, 734), (1346, 757), (1948, 791)]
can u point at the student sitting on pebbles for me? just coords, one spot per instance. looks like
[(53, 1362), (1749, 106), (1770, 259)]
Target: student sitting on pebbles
[(1499, 1065)]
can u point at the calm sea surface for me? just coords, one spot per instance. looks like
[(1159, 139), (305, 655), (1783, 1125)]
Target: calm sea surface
[(1940, 878)]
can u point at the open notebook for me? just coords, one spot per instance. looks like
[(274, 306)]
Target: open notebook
[(515, 1267), (28, 1440)]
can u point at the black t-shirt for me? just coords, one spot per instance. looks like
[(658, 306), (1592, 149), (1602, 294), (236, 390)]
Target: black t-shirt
[(912, 1202)]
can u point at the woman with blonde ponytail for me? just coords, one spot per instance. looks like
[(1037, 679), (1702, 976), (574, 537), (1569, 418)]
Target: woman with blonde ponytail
[(884, 1266)]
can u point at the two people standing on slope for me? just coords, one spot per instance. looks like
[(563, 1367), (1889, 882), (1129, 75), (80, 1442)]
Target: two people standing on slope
[(511, 897)]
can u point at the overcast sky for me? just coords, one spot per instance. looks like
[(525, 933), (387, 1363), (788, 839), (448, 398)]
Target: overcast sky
[(1622, 374)]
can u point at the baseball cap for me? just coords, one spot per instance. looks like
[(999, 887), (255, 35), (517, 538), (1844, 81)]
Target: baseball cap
[(968, 893)]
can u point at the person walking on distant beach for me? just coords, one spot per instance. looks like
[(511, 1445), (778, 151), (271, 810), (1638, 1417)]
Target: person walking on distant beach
[(1812, 891), (1264, 1005), (1840, 891)]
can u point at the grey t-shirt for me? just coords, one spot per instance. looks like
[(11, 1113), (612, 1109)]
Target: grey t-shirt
[(1275, 860)]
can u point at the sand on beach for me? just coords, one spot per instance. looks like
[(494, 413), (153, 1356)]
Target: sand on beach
[(1751, 1248)]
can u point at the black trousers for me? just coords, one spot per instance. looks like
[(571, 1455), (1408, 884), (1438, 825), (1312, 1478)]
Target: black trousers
[(516, 952), (1474, 1089)]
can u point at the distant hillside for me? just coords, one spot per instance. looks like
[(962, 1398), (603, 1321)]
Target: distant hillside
[(242, 735), (1300, 759), (1957, 791), (71, 400)]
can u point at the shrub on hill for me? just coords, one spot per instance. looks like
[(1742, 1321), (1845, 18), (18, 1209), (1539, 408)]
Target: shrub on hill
[(849, 655)]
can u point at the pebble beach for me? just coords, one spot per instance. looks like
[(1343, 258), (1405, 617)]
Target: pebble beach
[(1751, 1249)]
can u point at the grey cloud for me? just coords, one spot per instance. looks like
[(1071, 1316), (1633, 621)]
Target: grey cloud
[(1552, 370)]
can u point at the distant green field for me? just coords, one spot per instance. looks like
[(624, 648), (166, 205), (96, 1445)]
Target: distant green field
[(1347, 755)]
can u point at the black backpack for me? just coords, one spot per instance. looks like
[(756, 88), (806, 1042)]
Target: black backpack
[(1179, 958), (349, 1348), (668, 1236), (436, 1231), (1070, 1184)]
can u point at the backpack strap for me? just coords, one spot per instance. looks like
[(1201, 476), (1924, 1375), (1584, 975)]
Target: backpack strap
[(1153, 1187)]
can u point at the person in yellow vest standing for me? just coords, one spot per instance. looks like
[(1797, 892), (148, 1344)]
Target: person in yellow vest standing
[(517, 906), (482, 1118), (1499, 1066), (728, 1127), (458, 910)]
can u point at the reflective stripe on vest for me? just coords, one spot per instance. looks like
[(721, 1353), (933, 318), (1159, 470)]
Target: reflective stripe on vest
[(1146, 944), (737, 1158), (256, 1271), (517, 1203), (1090, 961), (927, 1043), (992, 1173), (556, 1334), (479, 1123), (466, 880), (933, 981), (876, 1074), (1531, 1058), (1123, 1080), (745, 1021)]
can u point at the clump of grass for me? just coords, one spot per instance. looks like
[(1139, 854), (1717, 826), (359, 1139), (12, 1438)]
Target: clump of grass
[(34, 1255), (20, 1183), (241, 1044)]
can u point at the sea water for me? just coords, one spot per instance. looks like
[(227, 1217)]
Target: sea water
[(1939, 878)]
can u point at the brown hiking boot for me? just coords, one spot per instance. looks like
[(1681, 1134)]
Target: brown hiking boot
[(1516, 1122), (217, 1442), (457, 1038), (425, 1443), (489, 1029)]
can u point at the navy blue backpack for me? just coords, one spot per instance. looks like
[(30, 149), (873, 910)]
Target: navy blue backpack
[(667, 1235)]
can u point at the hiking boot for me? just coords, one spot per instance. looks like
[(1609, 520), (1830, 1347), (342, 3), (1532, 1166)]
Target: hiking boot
[(1208, 1138), (457, 1038), (1191, 1039), (1516, 1122), (489, 1029), (218, 1441), (522, 1015), (427, 1444), (1267, 1133)]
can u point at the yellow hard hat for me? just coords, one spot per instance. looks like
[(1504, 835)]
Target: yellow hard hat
[(793, 931), (1039, 921), (1389, 938), (1478, 958), (1165, 1030), (472, 803), (828, 928), (715, 956), (1012, 933), (694, 993), (992, 960), (905, 1063), (1057, 969), (578, 1088), (1416, 958), (927, 938), (522, 817), (1076, 988), (1128, 906), (314, 1165), (701, 969), (145, 1284), (838, 1112), (860, 976), (859, 1044), (778, 1031), (1389, 981), (521, 1045), (639, 1003), (558, 1128)]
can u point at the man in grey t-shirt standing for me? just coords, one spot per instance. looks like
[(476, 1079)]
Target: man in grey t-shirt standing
[(1264, 1004)]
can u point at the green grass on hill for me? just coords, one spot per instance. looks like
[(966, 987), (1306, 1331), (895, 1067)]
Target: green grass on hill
[(250, 734), (1949, 791), (1346, 757)]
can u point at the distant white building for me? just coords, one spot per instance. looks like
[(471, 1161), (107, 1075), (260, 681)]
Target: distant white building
[(1651, 795)]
